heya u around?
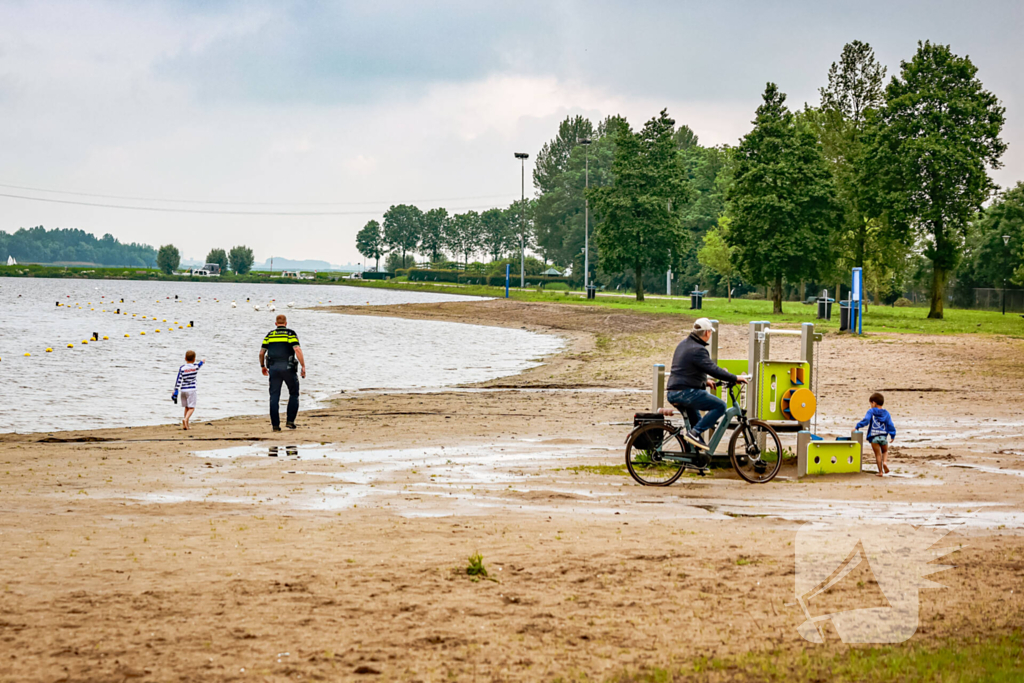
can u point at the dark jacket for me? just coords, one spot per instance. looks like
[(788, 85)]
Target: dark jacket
[(691, 365)]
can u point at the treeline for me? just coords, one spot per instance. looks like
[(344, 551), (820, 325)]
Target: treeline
[(436, 234), (891, 176), (63, 245)]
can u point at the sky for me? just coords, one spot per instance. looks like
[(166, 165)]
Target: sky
[(347, 108)]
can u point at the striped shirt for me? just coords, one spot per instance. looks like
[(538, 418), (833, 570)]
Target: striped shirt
[(187, 376)]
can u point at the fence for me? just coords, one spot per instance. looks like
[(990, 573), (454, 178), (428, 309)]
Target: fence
[(991, 298)]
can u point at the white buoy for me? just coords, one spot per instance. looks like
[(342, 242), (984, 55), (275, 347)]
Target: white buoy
[(290, 304), (255, 307), (271, 307), (234, 305)]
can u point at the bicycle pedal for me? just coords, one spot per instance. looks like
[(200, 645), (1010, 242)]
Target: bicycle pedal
[(703, 471)]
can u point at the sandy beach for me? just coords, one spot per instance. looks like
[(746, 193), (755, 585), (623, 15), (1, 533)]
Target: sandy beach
[(339, 551)]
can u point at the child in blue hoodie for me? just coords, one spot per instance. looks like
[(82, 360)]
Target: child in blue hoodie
[(880, 431)]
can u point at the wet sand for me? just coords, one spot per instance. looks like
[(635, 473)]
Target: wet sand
[(339, 551)]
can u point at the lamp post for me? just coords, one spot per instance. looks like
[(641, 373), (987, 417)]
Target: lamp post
[(1006, 243), (522, 156), (586, 216)]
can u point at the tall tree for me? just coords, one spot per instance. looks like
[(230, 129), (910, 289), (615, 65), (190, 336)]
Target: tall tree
[(638, 227), (855, 89), (685, 138), (241, 259), (370, 242), (717, 255), (931, 145), (499, 237), (434, 233), (464, 234), (168, 258), (521, 216), (995, 260), (220, 257), (783, 204), (559, 211), (403, 226)]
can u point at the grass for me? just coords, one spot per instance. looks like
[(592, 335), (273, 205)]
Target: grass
[(614, 470), (953, 661), (742, 311), (476, 567)]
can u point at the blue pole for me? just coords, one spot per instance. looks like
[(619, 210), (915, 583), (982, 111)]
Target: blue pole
[(507, 268)]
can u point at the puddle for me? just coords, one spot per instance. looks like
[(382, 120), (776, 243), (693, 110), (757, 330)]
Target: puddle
[(945, 515), (981, 468)]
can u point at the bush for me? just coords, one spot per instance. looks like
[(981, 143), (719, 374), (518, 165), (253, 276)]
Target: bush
[(557, 287), (903, 302), (751, 295), (424, 275)]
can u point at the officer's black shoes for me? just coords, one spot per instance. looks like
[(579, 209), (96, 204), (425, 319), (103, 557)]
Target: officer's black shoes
[(289, 425), (277, 429)]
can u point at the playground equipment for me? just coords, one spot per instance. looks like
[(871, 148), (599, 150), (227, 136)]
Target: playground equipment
[(782, 394)]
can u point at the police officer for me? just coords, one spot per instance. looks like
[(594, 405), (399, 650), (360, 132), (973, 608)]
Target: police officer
[(278, 358)]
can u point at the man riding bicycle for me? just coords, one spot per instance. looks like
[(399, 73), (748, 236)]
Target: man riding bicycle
[(691, 365)]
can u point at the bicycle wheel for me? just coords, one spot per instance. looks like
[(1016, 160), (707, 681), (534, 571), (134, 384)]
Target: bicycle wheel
[(756, 452), (645, 452)]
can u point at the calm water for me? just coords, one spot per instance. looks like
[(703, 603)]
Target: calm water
[(128, 381)]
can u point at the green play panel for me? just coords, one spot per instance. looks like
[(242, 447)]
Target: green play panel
[(776, 380), (736, 367), (833, 457)]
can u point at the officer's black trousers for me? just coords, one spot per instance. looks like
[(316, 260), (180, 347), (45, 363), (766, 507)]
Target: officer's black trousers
[(279, 374)]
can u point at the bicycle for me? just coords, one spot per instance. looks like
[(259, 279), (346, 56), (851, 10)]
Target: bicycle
[(754, 448)]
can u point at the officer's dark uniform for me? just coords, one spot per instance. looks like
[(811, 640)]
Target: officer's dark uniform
[(280, 344)]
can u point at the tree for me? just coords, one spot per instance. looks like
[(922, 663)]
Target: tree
[(995, 260), (464, 234), (241, 259), (403, 226), (637, 227), (684, 138), (433, 236), (930, 146), (220, 257), (499, 235), (370, 242), (560, 179), (855, 90), (717, 255), (168, 258), (783, 205)]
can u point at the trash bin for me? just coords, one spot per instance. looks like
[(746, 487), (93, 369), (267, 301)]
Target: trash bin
[(696, 301), (825, 308), (847, 317), (591, 291)]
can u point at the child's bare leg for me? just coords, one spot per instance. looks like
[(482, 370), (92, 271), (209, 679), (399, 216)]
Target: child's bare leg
[(885, 457), (188, 415), (878, 459)]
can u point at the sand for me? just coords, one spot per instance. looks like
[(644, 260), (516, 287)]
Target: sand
[(152, 554)]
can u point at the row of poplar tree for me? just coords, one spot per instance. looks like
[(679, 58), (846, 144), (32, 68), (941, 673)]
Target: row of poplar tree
[(887, 176)]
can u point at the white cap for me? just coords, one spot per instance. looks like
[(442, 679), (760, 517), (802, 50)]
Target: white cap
[(702, 325)]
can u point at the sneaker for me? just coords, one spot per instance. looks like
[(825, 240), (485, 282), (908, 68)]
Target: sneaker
[(289, 425), (277, 429), (693, 438)]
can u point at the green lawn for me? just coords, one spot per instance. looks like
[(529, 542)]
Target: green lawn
[(742, 311), (995, 659)]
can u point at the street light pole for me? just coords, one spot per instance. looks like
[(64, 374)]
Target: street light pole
[(522, 156), (1006, 243), (586, 217)]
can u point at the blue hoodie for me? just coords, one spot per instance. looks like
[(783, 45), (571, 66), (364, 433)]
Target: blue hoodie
[(878, 422)]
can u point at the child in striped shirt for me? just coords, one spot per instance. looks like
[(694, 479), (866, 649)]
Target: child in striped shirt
[(186, 386)]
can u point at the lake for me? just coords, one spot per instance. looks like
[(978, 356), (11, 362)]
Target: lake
[(127, 381)]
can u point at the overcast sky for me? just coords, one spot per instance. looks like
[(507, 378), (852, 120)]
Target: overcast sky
[(366, 104)]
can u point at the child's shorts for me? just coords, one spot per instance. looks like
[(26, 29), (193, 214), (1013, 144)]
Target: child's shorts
[(881, 440), (188, 398)]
